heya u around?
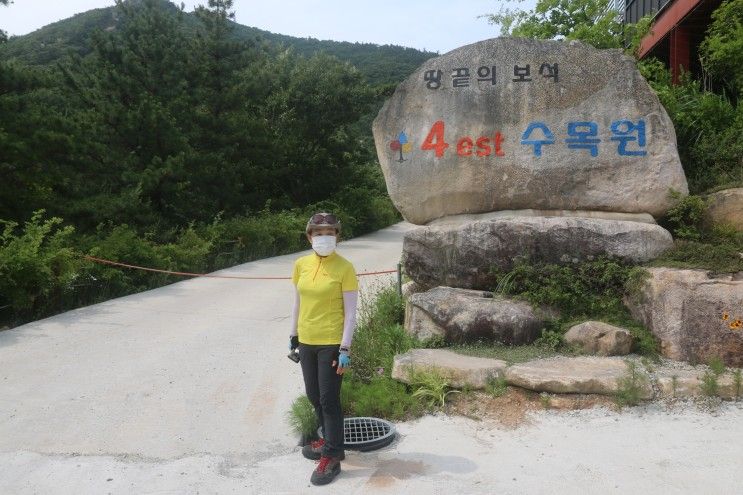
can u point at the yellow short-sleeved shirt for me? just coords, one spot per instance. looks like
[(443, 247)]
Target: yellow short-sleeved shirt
[(321, 283)]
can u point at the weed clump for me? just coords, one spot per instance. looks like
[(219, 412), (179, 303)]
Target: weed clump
[(737, 383), (302, 418), (496, 386), (710, 387), (630, 386), (380, 335), (431, 387)]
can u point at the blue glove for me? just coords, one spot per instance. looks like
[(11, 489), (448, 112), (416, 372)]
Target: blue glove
[(344, 361)]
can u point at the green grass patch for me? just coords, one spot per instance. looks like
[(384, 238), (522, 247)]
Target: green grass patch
[(511, 354), (380, 397), (496, 385), (699, 244), (714, 255)]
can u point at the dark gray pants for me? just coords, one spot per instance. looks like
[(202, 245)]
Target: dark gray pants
[(323, 387)]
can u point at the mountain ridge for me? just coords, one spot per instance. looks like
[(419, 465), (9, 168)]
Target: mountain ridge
[(380, 64)]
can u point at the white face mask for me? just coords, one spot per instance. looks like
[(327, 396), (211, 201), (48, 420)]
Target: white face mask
[(323, 244)]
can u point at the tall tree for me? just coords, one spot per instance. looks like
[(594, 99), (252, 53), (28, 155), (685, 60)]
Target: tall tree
[(36, 143), (230, 138), (133, 92), (592, 21), (3, 34), (312, 107), (721, 49)]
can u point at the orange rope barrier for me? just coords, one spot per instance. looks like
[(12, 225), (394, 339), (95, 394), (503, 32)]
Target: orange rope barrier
[(187, 274)]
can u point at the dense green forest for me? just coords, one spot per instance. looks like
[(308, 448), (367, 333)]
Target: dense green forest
[(184, 141)]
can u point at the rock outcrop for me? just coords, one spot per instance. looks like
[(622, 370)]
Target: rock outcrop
[(726, 207), (695, 316), (596, 337), (459, 316)]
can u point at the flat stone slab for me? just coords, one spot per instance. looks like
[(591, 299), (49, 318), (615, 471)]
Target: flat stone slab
[(568, 374), (600, 215), (463, 254), (580, 375), (459, 369)]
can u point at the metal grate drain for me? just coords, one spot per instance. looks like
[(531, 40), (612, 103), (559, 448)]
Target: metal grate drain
[(366, 434)]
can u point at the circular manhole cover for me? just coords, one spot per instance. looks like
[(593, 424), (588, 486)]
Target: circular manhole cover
[(366, 434)]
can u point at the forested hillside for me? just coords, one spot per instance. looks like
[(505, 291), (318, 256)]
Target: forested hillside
[(145, 134), (380, 64)]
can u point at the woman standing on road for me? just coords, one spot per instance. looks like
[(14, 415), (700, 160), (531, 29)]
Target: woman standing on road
[(324, 317)]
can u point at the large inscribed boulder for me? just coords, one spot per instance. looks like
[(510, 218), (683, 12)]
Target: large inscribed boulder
[(512, 123)]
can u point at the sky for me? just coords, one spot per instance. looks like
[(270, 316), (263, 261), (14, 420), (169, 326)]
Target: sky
[(434, 25)]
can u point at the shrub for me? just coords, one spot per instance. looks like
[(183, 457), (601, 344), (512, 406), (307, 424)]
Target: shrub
[(37, 266), (120, 243), (189, 253), (246, 238), (699, 244), (686, 216), (630, 386), (550, 339), (380, 397), (380, 335), (431, 387), (708, 128), (302, 418), (717, 365), (588, 288), (579, 291)]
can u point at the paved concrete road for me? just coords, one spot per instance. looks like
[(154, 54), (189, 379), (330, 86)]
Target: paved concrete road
[(184, 389)]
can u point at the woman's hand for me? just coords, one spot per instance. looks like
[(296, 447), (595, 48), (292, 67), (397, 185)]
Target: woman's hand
[(344, 361)]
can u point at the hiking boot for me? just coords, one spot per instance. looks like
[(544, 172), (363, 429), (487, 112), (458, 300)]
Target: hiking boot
[(313, 450), (327, 470)]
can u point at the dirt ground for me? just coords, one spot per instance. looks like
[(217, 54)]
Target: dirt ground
[(510, 409)]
